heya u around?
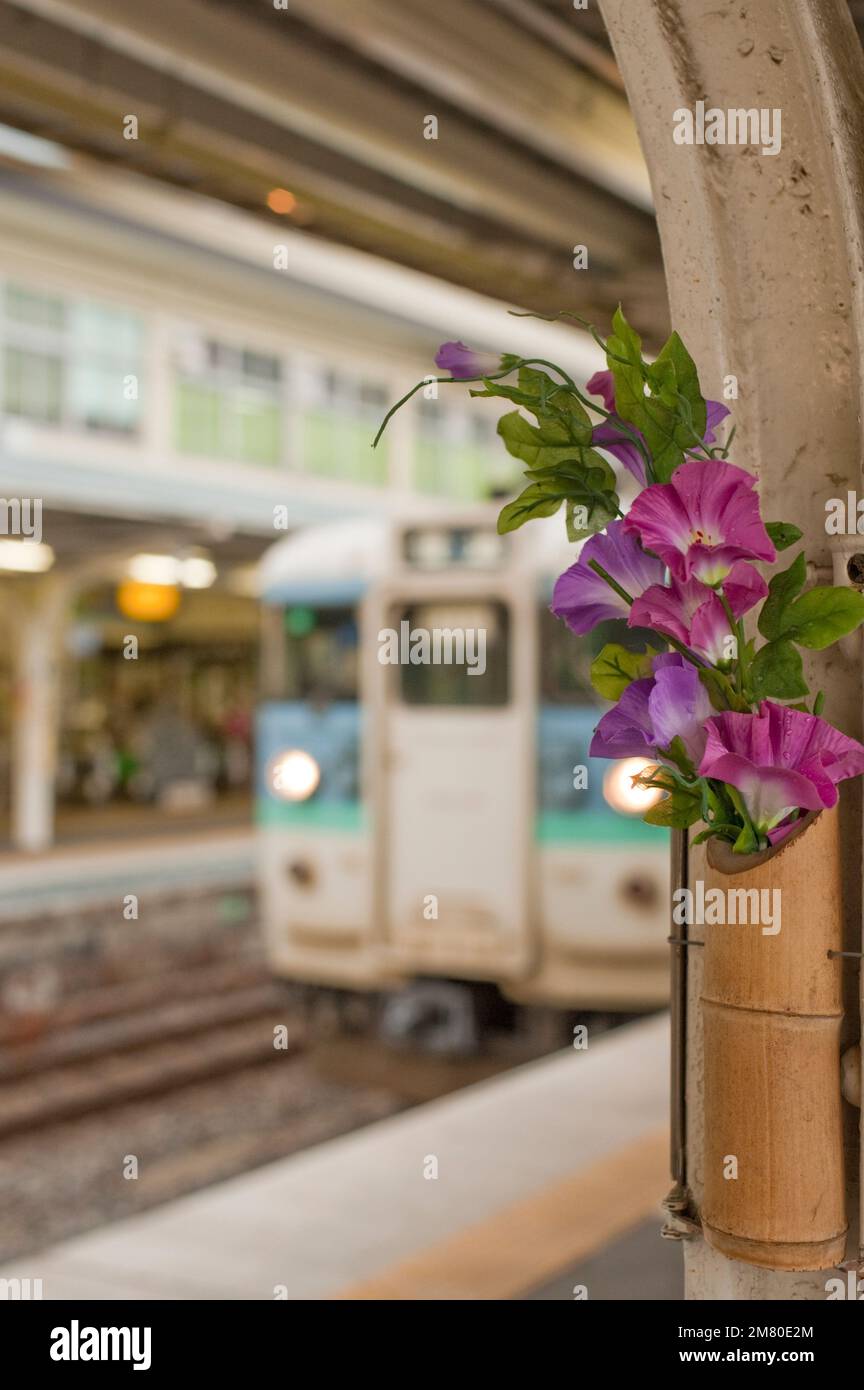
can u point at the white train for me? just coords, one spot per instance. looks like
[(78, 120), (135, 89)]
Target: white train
[(422, 819)]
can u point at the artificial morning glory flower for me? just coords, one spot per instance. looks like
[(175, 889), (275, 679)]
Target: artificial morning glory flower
[(610, 437), (626, 730), (693, 613), (583, 599), (652, 712), (702, 521), (461, 361), (781, 760)]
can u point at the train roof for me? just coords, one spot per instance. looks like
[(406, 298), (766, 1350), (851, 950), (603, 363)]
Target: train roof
[(336, 562)]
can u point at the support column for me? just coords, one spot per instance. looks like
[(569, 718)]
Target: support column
[(40, 610), (764, 259)]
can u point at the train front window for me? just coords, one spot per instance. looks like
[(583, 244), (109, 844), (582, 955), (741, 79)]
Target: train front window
[(450, 653), (310, 654), (565, 660)]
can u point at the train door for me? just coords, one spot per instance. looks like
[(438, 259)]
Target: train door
[(452, 664)]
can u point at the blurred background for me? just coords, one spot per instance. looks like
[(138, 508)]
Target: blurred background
[(256, 889)]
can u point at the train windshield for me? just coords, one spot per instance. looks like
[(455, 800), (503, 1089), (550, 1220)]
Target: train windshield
[(310, 654), (453, 652), (565, 660)]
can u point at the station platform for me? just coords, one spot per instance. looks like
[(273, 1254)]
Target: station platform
[(524, 1186), (88, 874)]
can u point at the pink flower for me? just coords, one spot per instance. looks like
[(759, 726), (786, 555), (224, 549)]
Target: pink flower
[(781, 760), (703, 521), (693, 613)]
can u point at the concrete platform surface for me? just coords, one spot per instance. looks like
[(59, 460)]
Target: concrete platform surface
[(314, 1224)]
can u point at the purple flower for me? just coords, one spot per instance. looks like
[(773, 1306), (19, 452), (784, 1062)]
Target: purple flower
[(461, 361), (703, 521), (626, 730), (679, 705), (583, 599), (693, 613), (715, 413), (781, 760), (652, 712), (610, 435)]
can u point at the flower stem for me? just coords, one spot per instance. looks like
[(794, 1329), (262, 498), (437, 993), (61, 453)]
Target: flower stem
[(438, 381), (613, 583), (735, 630)]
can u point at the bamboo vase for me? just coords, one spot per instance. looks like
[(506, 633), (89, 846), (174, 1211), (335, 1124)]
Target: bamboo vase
[(771, 1009)]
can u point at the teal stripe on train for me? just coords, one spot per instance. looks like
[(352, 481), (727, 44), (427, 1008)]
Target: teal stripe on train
[(550, 827)]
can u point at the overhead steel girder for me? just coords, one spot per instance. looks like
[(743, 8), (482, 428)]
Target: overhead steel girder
[(765, 268), (235, 105), (524, 87)]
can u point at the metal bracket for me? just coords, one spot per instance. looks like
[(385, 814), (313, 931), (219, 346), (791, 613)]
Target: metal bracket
[(681, 1224)]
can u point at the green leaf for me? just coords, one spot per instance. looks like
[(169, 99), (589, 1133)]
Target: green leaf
[(726, 832), (589, 470), (747, 842), (686, 378), (616, 667), (823, 615), (588, 484), (783, 534), (624, 342), (677, 753), (678, 810), (599, 514), (781, 591), (675, 393), (549, 401), (721, 691), (535, 501), (538, 446), (777, 672)]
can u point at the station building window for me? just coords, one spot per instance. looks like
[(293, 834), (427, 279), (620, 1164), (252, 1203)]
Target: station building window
[(460, 455), (340, 414), (74, 363), (229, 404)]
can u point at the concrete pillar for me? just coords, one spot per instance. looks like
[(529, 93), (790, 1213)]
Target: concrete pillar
[(765, 267), (38, 619)]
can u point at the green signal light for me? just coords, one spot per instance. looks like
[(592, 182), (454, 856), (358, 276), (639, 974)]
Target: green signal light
[(299, 622)]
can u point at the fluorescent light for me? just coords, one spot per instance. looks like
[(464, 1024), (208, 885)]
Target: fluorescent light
[(193, 571), (25, 557), (154, 569), (196, 572), (32, 149)]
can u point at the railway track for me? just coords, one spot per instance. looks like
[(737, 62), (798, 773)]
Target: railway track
[(129, 1043), (179, 1074)]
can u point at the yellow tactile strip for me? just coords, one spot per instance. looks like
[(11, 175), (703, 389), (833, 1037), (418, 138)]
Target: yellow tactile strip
[(530, 1241)]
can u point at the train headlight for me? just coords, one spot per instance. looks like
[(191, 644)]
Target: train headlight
[(294, 775), (620, 792)]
